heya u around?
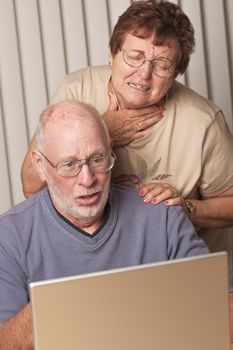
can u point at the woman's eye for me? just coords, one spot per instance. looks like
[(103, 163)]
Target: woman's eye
[(163, 65), (135, 56)]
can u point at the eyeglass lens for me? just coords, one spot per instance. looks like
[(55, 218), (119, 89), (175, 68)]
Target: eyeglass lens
[(97, 164), (136, 59)]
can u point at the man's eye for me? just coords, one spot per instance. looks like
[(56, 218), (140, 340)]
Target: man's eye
[(69, 165), (97, 161)]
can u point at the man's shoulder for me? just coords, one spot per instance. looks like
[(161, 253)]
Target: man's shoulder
[(130, 197), (23, 209), (127, 193)]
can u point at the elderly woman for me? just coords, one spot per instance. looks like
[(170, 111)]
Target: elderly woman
[(170, 142)]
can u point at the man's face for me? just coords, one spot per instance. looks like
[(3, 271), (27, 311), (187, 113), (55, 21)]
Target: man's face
[(139, 87), (82, 197)]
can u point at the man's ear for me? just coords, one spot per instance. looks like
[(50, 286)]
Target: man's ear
[(37, 163), (111, 143)]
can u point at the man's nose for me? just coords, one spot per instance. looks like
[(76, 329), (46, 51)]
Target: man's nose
[(86, 177)]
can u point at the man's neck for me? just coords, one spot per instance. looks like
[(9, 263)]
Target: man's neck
[(88, 225), (91, 226)]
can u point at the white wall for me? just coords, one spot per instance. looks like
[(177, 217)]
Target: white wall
[(42, 40)]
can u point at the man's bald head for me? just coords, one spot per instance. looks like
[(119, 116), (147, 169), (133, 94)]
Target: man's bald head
[(68, 113)]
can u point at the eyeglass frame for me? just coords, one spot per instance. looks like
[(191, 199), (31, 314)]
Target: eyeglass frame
[(83, 162), (173, 66)]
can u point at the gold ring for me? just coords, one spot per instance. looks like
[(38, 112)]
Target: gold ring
[(175, 195)]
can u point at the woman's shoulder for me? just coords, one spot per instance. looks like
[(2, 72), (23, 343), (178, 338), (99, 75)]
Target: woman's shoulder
[(187, 96), (94, 74), (189, 104)]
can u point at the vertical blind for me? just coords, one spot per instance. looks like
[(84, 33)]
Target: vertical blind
[(41, 41)]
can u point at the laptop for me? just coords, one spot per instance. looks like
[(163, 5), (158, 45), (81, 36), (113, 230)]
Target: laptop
[(174, 305)]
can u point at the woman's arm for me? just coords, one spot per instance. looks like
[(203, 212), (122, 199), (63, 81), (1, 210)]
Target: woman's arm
[(215, 212), (29, 177)]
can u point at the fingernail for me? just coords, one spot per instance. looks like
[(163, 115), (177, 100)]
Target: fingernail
[(154, 200), (161, 108), (166, 202), (147, 200), (141, 193)]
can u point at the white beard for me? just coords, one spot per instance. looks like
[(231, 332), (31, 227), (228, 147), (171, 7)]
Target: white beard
[(68, 205)]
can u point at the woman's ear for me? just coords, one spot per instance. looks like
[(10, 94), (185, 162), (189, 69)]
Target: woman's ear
[(37, 163), (176, 73), (109, 57)]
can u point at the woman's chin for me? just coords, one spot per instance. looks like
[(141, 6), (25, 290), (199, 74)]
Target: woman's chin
[(138, 105)]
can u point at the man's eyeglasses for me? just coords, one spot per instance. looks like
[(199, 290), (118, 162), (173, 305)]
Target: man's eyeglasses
[(97, 163), (161, 67)]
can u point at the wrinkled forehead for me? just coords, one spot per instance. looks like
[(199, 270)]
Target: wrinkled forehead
[(144, 33), (170, 47), (151, 39), (71, 134)]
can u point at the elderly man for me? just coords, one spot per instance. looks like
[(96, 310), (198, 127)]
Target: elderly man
[(78, 224)]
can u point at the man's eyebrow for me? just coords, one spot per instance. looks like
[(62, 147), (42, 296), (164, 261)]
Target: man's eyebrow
[(94, 154)]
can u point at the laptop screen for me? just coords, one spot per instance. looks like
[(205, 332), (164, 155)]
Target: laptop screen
[(179, 305)]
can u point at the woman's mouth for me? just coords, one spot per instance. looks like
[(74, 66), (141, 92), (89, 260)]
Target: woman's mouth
[(139, 86)]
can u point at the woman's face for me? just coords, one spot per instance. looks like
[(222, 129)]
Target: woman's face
[(139, 87)]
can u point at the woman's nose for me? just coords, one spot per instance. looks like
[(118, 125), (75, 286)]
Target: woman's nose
[(145, 71)]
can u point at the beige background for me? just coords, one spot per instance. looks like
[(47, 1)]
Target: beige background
[(42, 40)]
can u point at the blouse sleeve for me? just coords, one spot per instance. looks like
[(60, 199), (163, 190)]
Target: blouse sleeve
[(217, 158)]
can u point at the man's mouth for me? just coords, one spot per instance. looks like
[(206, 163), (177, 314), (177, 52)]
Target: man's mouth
[(139, 86), (89, 199), (88, 196)]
